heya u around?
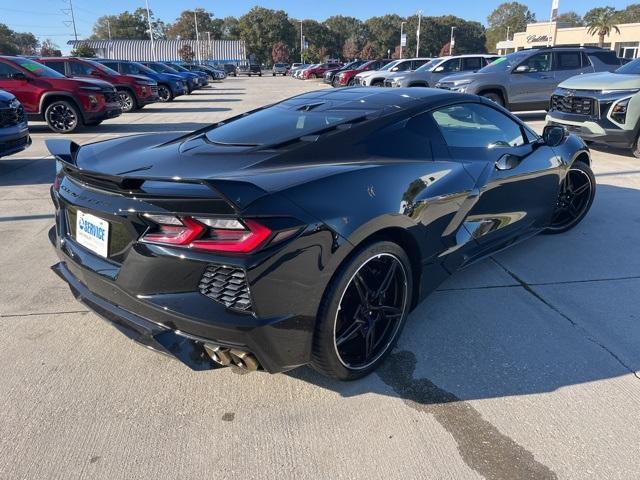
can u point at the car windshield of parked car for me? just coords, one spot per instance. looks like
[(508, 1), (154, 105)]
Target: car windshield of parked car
[(160, 67), (102, 68), (631, 68), (38, 69), (180, 68), (278, 124), (430, 65), (389, 66), (503, 64)]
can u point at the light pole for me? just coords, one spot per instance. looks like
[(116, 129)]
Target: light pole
[(418, 34), (452, 41), (209, 52), (153, 46), (301, 43), (109, 29), (508, 28), (401, 36), (195, 20)]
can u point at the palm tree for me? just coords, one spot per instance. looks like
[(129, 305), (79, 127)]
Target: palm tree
[(601, 22)]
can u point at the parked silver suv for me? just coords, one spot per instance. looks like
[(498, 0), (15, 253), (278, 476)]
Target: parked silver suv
[(430, 73), (526, 79)]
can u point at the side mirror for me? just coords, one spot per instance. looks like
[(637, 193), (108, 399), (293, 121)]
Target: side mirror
[(19, 76), (394, 69), (553, 135), (521, 69), (438, 69)]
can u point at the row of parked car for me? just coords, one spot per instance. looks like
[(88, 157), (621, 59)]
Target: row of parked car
[(588, 90), (69, 92)]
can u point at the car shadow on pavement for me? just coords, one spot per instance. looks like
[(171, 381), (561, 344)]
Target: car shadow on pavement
[(26, 171), (554, 311), (189, 110)]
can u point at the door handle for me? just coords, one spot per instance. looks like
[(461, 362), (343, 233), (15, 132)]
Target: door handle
[(507, 162)]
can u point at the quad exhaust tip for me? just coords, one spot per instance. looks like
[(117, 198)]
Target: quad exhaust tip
[(224, 356)]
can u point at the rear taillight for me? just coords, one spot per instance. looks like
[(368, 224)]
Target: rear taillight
[(210, 234)]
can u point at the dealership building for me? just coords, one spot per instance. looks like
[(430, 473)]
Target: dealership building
[(214, 51), (626, 43)]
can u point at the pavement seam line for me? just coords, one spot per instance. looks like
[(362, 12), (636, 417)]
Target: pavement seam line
[(542, 284), (585, 332), (36, 314)]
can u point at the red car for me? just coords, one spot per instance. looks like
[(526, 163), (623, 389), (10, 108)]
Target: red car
[(346, 77), (320, 70), (66, 104), (135, 91)]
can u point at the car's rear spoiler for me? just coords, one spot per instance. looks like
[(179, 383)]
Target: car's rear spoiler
[(63, 150)]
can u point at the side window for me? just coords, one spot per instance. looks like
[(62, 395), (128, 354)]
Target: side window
[(57, 66), (6, 71), (418, 63), (408, 139), (567, 61), (402, 67), (79, 69), (474, 125), (128, 68), (585, 60), (472, 63), (451, 66), (538, 63), (112, 65)]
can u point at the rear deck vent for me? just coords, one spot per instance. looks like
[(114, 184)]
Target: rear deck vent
[(226, 285)]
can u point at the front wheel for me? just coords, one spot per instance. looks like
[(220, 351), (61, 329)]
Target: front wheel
[(494, 97), (63, 116), (577, 192), (363, 311), (164, 93), (351, 83), (127, 101)]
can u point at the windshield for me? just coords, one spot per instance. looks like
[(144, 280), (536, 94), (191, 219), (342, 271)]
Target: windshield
[(389, 65), (631, 68), (278, 124), (430, 65), (179, 68), (38, 69), (102, 68), (160, 67), (502, 64)]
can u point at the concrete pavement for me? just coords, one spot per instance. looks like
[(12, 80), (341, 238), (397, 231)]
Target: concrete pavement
[(523, 366)]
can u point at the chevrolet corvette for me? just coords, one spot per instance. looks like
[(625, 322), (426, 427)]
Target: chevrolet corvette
[(304, 232)]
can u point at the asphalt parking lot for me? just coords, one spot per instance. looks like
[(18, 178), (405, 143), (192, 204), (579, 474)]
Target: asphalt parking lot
[(526, 365)]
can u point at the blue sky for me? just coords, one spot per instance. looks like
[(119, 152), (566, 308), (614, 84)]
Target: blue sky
[(45, 19)]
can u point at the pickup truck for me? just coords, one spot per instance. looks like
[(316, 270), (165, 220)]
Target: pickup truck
[(250, 69)]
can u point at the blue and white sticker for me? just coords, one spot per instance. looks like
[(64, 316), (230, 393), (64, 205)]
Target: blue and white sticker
[(93, 233)]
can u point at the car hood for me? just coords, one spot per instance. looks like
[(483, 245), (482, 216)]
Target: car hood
[(139, 77), (456, 77), (6, 97), (602, 81), (94, 83)]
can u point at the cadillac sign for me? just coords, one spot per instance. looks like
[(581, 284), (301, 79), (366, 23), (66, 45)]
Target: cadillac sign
[(538, 39)]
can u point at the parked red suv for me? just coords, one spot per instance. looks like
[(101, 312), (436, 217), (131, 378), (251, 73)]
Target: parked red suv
[(66, 104), (345, 78), (319, 71), (135, 91)]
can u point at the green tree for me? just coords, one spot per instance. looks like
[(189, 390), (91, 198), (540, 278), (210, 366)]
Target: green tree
[(27, 43), (384, 33), (343, 28), (317, 35), (50, 49), (185, 27), (261, 28), (230, 28), (127, 25), (83, 50), (280, 53), (631, 14), (601, 21), (369, 51), (572, 18), (509, 14), (351, 48)]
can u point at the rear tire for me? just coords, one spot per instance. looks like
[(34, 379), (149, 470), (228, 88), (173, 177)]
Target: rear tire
[(577, 191), (636, 148), (164, 94), (494, 97), (362, 312), (351, 83)]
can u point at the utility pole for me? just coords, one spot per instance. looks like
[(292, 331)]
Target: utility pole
[(301, 43), (153, 45), (418, 34), (69, 11), (209, 52), (198, 56), (452, 41), (401, 36), (508, 28)]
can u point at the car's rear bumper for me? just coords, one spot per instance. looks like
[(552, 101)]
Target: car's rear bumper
[(593, 130), (180, 324)]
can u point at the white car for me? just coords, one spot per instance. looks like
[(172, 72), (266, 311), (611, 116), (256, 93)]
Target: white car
[(376, 78)]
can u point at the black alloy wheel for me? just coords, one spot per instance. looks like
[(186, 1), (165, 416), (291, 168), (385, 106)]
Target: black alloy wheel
[(62, 116), (577, 192), (363, 312), (127, 102), (164, 93)]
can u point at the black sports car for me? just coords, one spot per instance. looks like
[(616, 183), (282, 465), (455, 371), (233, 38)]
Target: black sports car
[(305, 231)]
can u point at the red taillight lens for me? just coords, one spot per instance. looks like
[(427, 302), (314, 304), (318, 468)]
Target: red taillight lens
[(210, 234)]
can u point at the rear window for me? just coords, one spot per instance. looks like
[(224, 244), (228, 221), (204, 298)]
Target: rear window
[(278, 124), (608, 58)]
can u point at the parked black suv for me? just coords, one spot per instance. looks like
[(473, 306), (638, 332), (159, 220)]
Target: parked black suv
[(250, 69), (526, 79)]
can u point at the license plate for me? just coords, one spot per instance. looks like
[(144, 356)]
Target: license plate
[(93, 233)]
